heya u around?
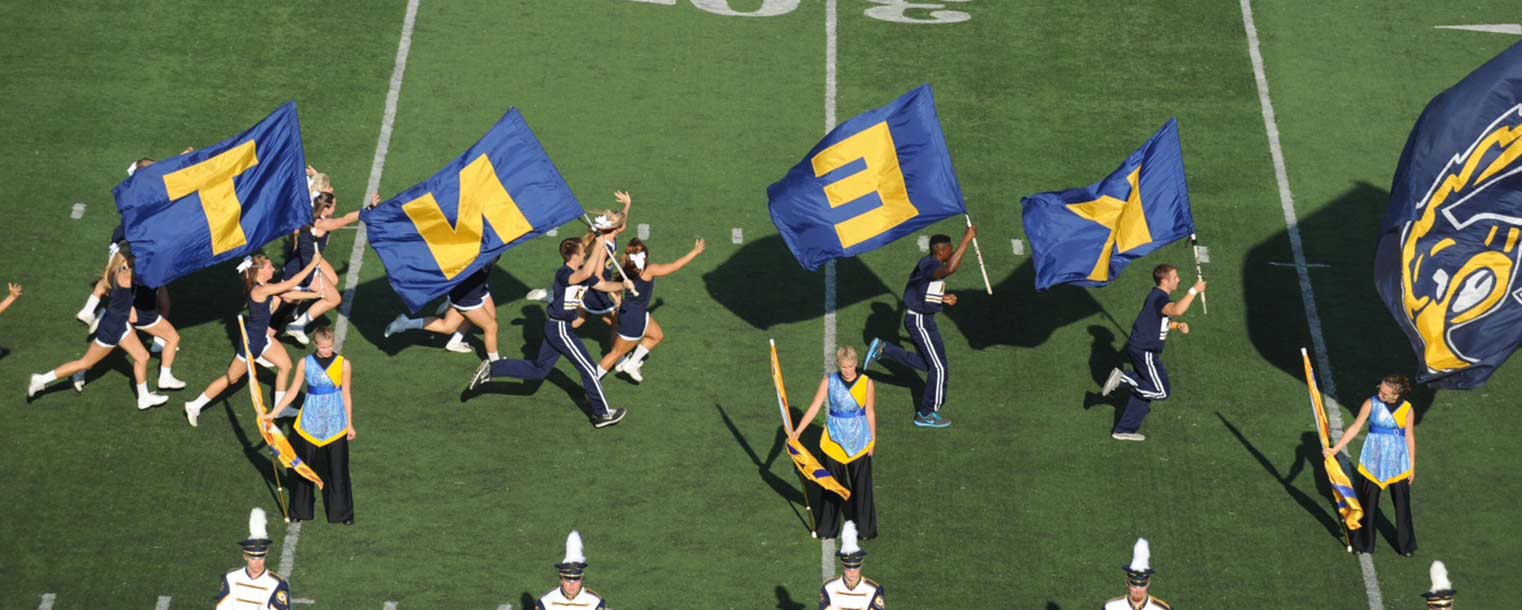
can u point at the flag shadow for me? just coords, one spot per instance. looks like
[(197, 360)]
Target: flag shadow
[(1307, 453), (762, 284), (1016, 314), (782, 487), (1363, 340)]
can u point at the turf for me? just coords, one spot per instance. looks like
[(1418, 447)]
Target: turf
[(463, 499)]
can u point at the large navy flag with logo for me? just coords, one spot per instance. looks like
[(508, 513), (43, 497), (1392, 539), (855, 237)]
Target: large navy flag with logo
[(873, 179), (218, 203), (1087, 236), (502, 192), (1451, 241)]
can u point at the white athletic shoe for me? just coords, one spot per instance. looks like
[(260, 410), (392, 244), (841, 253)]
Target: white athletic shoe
[(632, 370), (299, 334), (168, 382), (1128, 436), (150, 400), (85, 316), (1113, 382), (37, 385), (538, 294), (459, 347), (95, 322), (156, 346), (78, 380), (396, 325), (192, 414)]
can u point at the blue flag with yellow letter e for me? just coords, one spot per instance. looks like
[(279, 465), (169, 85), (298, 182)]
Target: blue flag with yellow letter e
[(502, 192), (1447, 261), (218, 203), (873, 179), (1087, 236)]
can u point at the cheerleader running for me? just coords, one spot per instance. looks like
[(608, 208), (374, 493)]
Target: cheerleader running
[(308, 245), (115, 330), (636, 329), (469, 303), (263, 298)]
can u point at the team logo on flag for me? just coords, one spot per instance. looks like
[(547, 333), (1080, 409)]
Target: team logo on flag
[(1448, 255)]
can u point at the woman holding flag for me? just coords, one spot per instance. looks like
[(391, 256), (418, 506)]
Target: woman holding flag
[(848, 442), (638, 331), (1388, 461), (323, 430), (262, 299)]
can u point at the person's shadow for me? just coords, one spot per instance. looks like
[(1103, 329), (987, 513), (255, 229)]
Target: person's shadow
[(781, 486), (785, 600), (1307, 453), (1104, 356)]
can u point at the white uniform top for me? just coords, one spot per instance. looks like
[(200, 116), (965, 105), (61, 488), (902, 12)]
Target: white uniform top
[(586, 600), (1124, 603), (267, 592), (867, 595)]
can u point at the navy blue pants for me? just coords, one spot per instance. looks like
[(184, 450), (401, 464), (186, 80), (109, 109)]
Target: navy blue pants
[(930, 357), (1148, 382), (559, 340)]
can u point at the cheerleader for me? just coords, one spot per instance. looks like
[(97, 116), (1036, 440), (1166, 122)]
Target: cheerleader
[(87, 313), (262, 299), (308, 244), (469, 304), (115, 330), (636, 329), (604, 304)]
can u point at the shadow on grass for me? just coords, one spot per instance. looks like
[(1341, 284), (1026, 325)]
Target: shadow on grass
[(785, 600), (764, 285), (380, 306), (1307, 453), (781, 486), (1015, 314)]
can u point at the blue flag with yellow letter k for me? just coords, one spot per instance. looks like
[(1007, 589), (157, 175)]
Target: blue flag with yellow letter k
[(502, 192), (1449, 256), (218, 203), (1087, 236), (873, 179)]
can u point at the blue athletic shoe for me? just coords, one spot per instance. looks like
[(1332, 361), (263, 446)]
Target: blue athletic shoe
[(930, 421), (936, 415), (873, 351)]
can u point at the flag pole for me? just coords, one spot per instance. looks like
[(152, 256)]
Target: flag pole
[(253, 388), (611, 254), (1194, 244), (787, 427), (981, 267)]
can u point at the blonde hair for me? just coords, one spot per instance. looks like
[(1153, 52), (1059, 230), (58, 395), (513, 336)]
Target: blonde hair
[(323, 334), (321, 183), (846, 353)]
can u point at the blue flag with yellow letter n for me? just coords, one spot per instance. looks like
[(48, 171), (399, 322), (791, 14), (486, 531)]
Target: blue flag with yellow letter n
[(1450, 244), (1087, 236), (502, 192), (873, 179), (221, 202)]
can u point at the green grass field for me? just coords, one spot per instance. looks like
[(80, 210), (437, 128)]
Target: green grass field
[(464, 500)]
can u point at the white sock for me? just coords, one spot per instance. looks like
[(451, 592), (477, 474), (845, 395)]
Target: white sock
[(159, 341), (413, 323), (601, 372), (164, 372), (142, 390), (49, 377), (493, 356), (302, 320), (639, 355), (456, 337), (200, 402), (91, 303)]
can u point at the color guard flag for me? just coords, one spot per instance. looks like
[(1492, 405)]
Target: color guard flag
[(1342, 488), (1448, 256), (273, 437), (1087, 236), (807, 465), (218, 203), (875, 178), (434, 235)]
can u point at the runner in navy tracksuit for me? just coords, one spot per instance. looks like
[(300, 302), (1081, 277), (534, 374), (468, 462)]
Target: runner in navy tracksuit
[(1149, 380), (572, 281), (924, 296)]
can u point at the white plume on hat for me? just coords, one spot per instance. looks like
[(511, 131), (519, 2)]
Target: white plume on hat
[(573, 552), (1440, 580), (848, 544), (257, 527), (1141, 558)]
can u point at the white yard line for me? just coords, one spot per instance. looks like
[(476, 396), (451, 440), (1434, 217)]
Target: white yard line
[(831, 18), (389, 606), (163, 603), (357, 256), (1307, 295), (47, 601)]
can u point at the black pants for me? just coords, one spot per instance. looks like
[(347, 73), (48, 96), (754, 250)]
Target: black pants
[(1368, 495), (831, 513), (331, 462)]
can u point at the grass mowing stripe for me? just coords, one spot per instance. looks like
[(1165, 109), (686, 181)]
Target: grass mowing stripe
[(357, 255), (827, 547), (1307, 295)]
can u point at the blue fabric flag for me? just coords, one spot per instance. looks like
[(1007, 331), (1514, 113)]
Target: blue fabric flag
[(875, 178), (1448, 255), (1087, 236), (433, 235), (218, 203)]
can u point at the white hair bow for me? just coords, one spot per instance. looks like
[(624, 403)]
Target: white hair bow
[(639, 260), (602, 223), (248, 261), (132, 169)]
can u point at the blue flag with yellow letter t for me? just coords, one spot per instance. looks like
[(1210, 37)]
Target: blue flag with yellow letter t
[(1450, 244), (1087, 236), (502, 192), (218, 203), (873, 179)]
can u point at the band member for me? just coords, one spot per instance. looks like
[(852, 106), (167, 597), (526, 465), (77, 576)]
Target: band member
[(571, 593), (1138, 583), (324, 427), (1440, 597), (848, 442), (254, 587), (851, 591), (1388, 461)]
